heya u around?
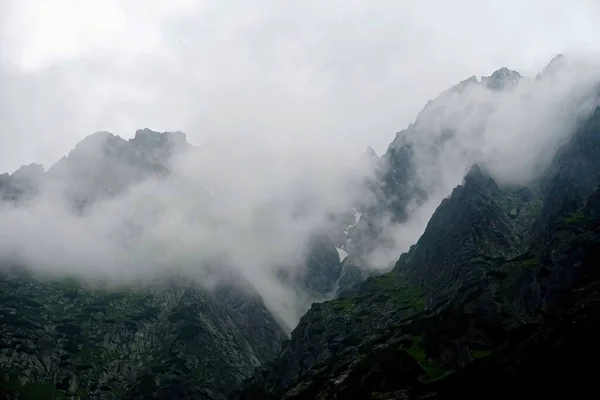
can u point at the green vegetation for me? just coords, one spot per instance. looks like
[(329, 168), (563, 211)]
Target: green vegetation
[(532, 262), (36, 391), (342, 304), (401, 294), (480, 353), (575, 217), (432, 370), (532, 209)]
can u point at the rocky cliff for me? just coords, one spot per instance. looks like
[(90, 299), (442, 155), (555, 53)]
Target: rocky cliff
[(174, 340), (497, 297), (500, 278)]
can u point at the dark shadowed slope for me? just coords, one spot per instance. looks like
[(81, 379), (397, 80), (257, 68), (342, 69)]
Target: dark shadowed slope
[(174, 340), (501, 279)]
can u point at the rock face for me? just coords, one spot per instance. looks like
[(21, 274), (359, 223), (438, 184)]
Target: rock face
[(104, 165), (100, 166), (170, 341), (61, 337), (502, 79), (177, 339), (496, 282), (450, 247), (498, 297), (22, 184)]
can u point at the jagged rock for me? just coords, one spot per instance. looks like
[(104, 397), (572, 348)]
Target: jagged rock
[(500, 292), (502, 79), (163, 341), (21, 185), (104, 165), (553, 67), (490, 277)]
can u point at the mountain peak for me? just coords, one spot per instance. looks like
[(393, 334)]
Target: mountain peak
[(459, 87), (557, 60), (501, 79), (370, 154), (32, 169), (93, 145), (553, 66), (149, 137), (476, 174), (97, 137)]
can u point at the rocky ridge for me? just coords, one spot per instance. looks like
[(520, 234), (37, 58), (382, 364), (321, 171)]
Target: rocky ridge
[(501, 278), (491, 280)]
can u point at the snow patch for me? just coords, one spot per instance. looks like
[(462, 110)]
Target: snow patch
[(342, 253), (357, 216)]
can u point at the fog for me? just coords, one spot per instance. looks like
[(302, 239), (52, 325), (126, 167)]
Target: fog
[(353, 71), (281, 101), (512, 131)]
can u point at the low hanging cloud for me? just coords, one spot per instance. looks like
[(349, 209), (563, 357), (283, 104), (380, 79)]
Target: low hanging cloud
[(506, 123), (354, 71), (241, 208), (245, 207), (281, 101)]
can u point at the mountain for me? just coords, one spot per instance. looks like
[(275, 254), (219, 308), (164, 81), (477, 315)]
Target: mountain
[(23, 183), (170, 335), (104, 165), (497, 294), (172, 340), (500, 289)]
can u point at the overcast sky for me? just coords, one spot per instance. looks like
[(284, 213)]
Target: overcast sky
[(349, 71)]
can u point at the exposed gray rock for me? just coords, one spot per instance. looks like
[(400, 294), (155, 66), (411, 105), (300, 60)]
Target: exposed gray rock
[(176, 339)]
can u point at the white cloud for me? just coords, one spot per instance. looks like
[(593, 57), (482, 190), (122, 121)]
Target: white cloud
[(512, 133), (356, 71), (286, 95)]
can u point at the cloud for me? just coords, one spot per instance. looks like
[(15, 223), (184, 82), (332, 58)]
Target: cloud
[(508, 124), (281, 98), (355, 71), (233, 209)]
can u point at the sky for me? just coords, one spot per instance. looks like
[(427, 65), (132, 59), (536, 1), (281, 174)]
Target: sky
[(349, 73)]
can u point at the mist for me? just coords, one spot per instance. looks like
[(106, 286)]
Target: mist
[(233, 209), (280, 103), (247, 206), (508, 124)]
